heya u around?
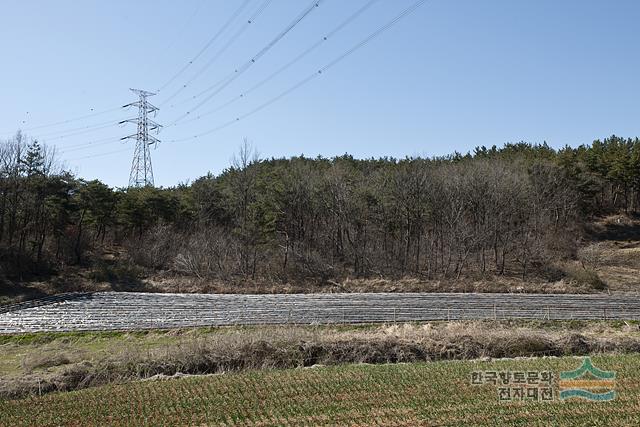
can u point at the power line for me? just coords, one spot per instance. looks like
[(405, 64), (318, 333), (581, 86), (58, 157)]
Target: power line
[(184, 28), (82, 144), (243, 68), (75, 119), (221, 51), (70, 133), (90, 144), (55, 138), (286, 66), (259, 11), (98, 155), (178, 35), (81, 130), (318, 73), (207, 45)]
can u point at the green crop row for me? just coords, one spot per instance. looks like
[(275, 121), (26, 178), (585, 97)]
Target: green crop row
[(390, 395)]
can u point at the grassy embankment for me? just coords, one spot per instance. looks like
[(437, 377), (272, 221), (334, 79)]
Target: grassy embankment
[(43, 363)]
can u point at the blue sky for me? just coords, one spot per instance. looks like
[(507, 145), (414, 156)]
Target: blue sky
[(451, 76)]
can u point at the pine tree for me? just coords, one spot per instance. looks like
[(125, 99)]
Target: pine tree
[(34, 160)]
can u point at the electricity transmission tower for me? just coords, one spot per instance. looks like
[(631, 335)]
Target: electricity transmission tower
[(141, 171)]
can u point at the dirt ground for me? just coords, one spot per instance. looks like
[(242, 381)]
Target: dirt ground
[(170, 283), (614, 252)]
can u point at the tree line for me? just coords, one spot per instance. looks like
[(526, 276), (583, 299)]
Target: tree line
[(511, 210)]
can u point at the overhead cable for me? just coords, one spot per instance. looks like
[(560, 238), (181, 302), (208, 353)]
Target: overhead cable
[(286, 66), (219, 86), (221, 51), (318, 73), (75, 119), (215, 37)]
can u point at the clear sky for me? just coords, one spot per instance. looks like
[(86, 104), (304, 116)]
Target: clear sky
[(451, 76)]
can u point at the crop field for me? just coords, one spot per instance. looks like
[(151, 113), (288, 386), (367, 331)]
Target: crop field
[(438, 393), (135, 311)]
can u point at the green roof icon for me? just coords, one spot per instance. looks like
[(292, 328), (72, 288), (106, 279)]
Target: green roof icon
[(587, 367), (574, 385)]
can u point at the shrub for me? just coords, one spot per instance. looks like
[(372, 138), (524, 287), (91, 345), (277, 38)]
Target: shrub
[(156, 248), (116, 273), (585, 276), (592, 256), (44, 360)]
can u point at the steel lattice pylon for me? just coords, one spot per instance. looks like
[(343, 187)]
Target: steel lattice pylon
[(141, 170)]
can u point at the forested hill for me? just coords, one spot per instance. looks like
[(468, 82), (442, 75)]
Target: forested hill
[(516, 210)]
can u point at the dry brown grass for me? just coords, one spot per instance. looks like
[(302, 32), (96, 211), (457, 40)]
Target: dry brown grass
[(229, 350), (35, 361), (617, 263), (169, 283)]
